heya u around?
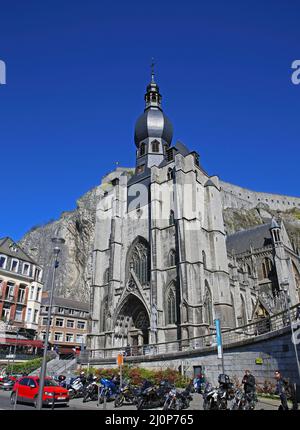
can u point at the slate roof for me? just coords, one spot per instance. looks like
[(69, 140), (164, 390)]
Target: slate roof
[(182, 148), (5, 248), (67, 303), (257, 237)]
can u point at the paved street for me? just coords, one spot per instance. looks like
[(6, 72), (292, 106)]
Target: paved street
[(76, 404)]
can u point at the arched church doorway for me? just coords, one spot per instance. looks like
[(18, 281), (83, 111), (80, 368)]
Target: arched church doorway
[(132, 323)]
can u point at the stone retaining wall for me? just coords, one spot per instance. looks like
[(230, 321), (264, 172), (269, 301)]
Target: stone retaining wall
[(275, 349)]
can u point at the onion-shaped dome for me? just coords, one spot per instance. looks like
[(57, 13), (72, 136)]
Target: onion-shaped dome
[(153, 122)]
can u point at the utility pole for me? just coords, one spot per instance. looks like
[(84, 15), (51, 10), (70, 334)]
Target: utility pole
[(43, 371), (219, 342)]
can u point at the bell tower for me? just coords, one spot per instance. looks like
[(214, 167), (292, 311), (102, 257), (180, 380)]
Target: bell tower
[(153, 130)]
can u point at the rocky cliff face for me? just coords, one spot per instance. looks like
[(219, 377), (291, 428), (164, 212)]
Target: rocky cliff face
[(241, 219), (78, 227)]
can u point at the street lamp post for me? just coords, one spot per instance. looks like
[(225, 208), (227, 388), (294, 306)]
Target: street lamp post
[(284, 287), (56, 251), (15, 348)]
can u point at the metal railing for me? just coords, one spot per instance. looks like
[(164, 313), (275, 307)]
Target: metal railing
[(62, 365), (17, 356), (230, 336)]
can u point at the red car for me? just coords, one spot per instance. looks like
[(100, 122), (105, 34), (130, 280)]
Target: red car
[(27, 388)]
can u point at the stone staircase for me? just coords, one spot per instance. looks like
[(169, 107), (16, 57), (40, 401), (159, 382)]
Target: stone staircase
[(58, 367)]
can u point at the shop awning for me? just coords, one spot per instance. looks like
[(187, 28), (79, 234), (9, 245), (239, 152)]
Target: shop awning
[(66, 350), (21, 342)]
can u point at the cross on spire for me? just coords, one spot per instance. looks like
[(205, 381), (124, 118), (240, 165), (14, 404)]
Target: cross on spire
[(152, 70)]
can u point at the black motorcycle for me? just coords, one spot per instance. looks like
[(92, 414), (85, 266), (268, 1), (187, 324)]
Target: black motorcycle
[(153, 396), (91, 391), (186, 397), (226, 391), (173, 401)]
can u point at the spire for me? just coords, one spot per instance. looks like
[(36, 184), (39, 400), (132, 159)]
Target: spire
[(274, 223), (152, 96), (152, 71), (275, 230)]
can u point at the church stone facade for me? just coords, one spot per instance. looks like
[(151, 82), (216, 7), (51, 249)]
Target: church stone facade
[(164, 267)]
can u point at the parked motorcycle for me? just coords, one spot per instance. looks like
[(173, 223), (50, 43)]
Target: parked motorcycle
[(210, 398), (91, 391), (127, 394), (77, 389), (217, 398), (244, 401), (226, 391), (108, 390), (186, 396), (173, 401), (153, 396)]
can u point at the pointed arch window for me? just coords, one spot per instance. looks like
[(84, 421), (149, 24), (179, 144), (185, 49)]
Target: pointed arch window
[(171, 305), (249, 271), (142, 149), (172, 257), (139, 262), (104, 314), (170, 174), (204, 260), (233, 310), (172, 218), (207, 305), (243, 318), (253, 307), (155, 146), (267, 267)]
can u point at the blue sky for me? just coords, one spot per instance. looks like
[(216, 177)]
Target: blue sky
[(76, 76)]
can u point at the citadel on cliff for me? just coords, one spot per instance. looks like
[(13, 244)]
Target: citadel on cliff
[(164, 265)]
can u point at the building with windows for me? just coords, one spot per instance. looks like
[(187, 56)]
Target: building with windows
[(69, 323), (164, 267), (20, 287)]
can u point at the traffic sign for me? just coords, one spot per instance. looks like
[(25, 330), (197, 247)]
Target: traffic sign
[(120, 359)]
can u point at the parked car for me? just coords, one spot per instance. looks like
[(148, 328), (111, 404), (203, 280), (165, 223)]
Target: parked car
[(26, 389), (7, 383)]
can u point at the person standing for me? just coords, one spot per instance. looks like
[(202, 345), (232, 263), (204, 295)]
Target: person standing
[(249, 387), (285, 390), (248, 382), (197, 384)]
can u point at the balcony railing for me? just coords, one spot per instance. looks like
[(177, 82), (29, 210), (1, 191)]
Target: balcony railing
[(238, 334), (9, 298)]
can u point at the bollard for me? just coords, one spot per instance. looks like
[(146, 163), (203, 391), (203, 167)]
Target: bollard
[(99, 394), (15, 404)]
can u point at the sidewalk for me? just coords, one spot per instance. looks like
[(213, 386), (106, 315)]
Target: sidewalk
[(273, 402)]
